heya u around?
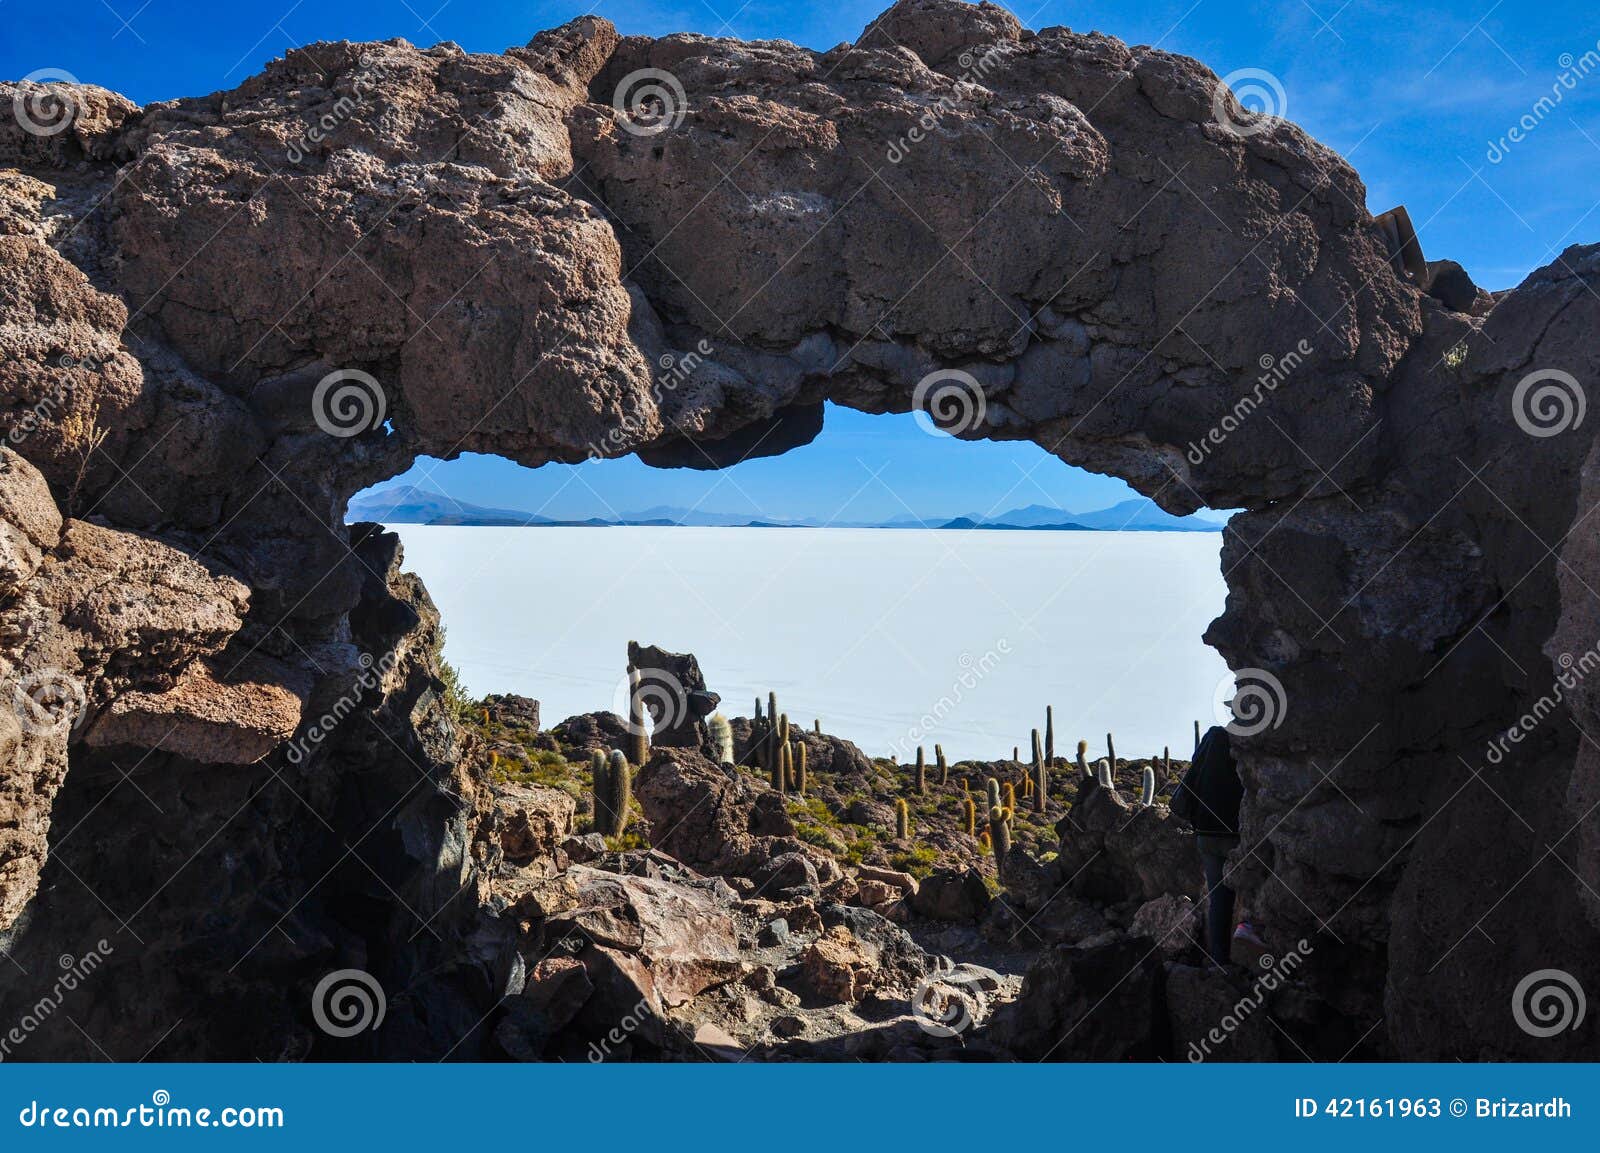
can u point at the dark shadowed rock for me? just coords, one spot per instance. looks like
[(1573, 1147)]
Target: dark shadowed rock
[(1092, 1004)]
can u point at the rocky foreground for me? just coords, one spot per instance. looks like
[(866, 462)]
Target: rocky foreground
[(732, 921)]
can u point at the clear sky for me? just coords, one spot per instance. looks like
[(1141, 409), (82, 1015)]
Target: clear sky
[(1420, 97)]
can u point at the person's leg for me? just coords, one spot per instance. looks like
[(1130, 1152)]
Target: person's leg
[(1219, 908)]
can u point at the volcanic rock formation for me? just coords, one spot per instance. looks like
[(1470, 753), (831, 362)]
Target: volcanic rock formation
[(224, 315)]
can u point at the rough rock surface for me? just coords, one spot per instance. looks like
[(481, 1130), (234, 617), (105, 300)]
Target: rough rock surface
[(511, 261)]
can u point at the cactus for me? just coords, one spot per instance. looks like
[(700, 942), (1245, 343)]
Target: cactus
[(598, 792), (1014, 755), (902, 819), (1038, 749), (1041, 787), (983, 840), (966, 784), (991, 790), (619, 791), (1049, 735), (800, 769), (1111, 752), (721, 734), (780, 770), (1105, 774), (999, 836), (1197, 736), (970, 814), (816, 727), (922, 773), (1166, 765), (1011, 796), (944, 765), (638, 736), (1147, 795), (1083, 760)]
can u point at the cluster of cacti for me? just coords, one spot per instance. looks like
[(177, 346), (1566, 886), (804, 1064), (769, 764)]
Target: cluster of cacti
[(721, 734), (902, 819), (1147, 795), (1049, 735), (612, 789), (944, 765), (638, 735)]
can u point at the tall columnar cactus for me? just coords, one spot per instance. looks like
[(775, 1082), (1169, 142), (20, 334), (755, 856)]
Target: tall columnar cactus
[(638, 735), (770, 752), (1049, 735), (1038, 749), (1197, 736), (619, 790), (1147, 795), (1014, 755), (1111, 751), (1083, 760), (999, 836), (721, 734), (922, 773), (800, 768), (944, 765), (969, 812), (1011, 796), (991, 791), (780, 770), (1105, 774), (1166, 765), (816, 726), (1041, 786), (902, 819), (599, 794)]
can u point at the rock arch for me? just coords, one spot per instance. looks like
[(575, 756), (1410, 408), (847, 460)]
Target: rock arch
[(1127, 269)]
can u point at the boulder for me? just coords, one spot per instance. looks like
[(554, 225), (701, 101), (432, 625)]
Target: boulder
[(534, 821), (952, 895), (1172, 922), (711, 821), (1103, 1003)]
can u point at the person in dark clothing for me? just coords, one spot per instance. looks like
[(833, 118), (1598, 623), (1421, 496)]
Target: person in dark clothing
[(1208, 798)]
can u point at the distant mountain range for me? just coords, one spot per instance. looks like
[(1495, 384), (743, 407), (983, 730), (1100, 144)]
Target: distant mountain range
[(407, 504)]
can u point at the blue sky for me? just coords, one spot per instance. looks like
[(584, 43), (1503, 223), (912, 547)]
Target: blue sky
[(1415, 95)]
